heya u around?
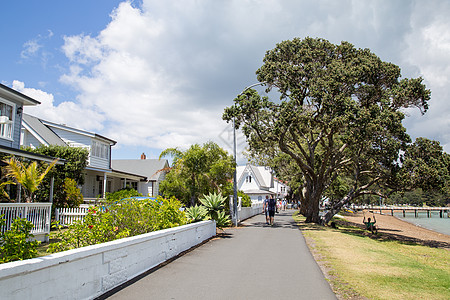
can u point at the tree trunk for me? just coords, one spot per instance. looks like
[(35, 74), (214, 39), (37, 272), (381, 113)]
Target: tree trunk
[(336, 207), (312, 199)]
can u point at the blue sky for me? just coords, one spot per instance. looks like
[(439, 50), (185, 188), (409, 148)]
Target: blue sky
[(155, 74)]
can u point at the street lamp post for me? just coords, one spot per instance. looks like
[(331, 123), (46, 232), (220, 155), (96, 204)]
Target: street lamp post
[(235, 197)]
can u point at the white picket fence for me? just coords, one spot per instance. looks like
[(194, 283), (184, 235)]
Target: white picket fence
[(37, 213), (66, 216)]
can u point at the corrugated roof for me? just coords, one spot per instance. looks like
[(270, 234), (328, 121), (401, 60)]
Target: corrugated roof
[(144, 167), (43, 131)]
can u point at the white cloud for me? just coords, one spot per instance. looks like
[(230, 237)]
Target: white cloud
[(428, 48), (34, 46), (31, 48), (160, 73), (68, 113)]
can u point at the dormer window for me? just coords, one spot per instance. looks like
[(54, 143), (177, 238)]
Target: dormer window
[(6, 120), (248, 179)]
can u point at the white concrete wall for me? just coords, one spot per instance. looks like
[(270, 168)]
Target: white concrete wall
[(89, 272), (247, 212)]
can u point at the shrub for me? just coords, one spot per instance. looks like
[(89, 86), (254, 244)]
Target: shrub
[(196, 213), (119, 219), (15, 244), (214, 204), (122, 194), (73, 194), (245, 199)]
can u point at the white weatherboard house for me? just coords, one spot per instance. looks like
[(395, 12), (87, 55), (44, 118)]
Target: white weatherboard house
[(11, 111), (154, 170), (255, 181), (100, 177), (280, 189)]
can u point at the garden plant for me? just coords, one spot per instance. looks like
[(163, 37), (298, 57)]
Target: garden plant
[(15, 243), (119, 219)]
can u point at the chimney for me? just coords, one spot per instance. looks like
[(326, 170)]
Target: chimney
[(143, 156)]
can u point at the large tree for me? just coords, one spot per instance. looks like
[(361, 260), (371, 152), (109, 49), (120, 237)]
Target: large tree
[(339, 114), (198, 171)]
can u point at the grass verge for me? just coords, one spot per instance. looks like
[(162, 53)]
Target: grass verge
[(360, 267)]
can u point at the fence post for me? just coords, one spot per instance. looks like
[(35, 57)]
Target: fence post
[(56, 214)]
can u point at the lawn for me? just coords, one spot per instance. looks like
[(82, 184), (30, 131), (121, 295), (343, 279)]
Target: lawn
[(360, 266)]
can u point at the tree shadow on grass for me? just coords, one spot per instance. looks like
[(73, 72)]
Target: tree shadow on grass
[(387, 235)]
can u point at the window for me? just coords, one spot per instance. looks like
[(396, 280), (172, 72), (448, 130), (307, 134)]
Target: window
[(6, 120), (248, 179), (99, 150)]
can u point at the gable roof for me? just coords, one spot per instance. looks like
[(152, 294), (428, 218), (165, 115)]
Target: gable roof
[(42, 130), (78, 131), (44, 134), (13, 95), (144, 167), (262, 175)]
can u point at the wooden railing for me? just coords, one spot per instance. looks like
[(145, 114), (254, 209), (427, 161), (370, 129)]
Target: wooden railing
[(37, 213)]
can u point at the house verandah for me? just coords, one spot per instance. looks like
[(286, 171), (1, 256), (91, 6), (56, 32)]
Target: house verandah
[(37, 213), (99, 182)]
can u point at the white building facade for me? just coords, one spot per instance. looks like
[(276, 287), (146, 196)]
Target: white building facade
[(99, 177), (255, 181)]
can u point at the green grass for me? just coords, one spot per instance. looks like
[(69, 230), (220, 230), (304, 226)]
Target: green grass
[(359, 264)]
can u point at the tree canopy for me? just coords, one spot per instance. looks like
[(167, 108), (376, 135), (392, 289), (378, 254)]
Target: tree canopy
[(198, 171), (339, 116)]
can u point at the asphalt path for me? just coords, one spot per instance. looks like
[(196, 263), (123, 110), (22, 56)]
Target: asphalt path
[(253, 261)]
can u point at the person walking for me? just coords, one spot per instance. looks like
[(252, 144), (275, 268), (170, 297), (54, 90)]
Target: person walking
[(272, 205), (266, 208)]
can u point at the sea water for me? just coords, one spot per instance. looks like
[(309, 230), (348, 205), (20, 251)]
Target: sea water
[(434, 222)]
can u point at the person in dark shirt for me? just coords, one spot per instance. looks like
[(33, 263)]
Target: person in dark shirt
[(271, 210)]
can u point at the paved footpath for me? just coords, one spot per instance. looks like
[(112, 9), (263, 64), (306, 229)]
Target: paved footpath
[(255, 261)]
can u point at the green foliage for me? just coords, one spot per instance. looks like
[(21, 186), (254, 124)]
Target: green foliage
[(119, 219), (195, 213), (4, 196), (214, 205), (425, 166), (15, 244), (338, 115), (76, 160), (418, 197), (73, 194), (245, 199), (197, 171), (222, 219), (29, 176), (122, 194)]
